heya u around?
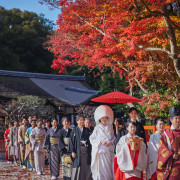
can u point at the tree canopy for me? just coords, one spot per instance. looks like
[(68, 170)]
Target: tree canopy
[(22, 34), (138, 38)]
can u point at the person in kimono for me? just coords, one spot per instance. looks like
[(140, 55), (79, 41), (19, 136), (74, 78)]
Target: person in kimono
[(168, 164), (21, 141), (103, 143), (153, 150), (29, 121), (14, 148), (63, 138), (47, 125), (7, 142), (51, 144), (29, 154), (88, 124), (80, 150), (37, 139), (131, 162), (133, 114)]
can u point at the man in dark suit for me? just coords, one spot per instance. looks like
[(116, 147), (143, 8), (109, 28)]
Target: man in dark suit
[(133, 114)]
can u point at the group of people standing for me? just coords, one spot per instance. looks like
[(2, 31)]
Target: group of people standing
[(86, 153)]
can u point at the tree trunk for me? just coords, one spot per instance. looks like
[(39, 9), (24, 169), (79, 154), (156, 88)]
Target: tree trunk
[(172, 39)]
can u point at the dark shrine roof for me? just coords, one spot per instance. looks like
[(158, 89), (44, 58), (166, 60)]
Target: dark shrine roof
[(64, 89)]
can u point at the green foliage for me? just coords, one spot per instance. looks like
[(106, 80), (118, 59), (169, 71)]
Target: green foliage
[(29, 105), (22, 35)]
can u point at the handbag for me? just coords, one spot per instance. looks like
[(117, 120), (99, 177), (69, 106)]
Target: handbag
[(66, 159)]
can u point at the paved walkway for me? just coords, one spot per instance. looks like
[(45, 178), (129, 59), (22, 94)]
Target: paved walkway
[(12, 172)]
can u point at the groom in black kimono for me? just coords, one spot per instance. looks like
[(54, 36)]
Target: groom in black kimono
[(80, 150)]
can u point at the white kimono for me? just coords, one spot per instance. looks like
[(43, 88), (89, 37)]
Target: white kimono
[(152, 154), (102, 162), (37, 139), (126, 158)]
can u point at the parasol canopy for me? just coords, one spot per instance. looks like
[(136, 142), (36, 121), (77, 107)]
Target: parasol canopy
[(116, 97)]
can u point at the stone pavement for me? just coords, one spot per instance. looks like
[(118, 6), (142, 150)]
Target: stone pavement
[(12, 172)]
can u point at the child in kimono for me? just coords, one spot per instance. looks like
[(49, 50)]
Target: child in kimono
[(29, 154), (131, 162), (37, 139), (153, 150), (103, 143), (14, 148), (51, 144), (63, 137)]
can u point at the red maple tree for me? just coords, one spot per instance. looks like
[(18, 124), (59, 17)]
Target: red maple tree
[(139, 38)]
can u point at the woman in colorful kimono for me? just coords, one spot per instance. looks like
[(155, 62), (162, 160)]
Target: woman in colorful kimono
[(131, 162), (51, 144), (37, 139), (21, 141), (63, 136), (153, 150), (14, 147), (103, 144), (7, 143), (29, 154)]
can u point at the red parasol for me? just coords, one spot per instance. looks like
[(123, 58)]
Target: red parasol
[(116, 97)]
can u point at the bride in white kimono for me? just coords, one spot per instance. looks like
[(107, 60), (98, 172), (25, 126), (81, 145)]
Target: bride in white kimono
[(103, 144), (153, 150)]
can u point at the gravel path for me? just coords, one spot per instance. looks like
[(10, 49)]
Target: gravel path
[(12, 172)]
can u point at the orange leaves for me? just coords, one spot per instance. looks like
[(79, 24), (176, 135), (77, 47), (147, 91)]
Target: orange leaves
[(122, 34)]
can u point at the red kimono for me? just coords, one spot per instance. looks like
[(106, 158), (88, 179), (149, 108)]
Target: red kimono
[(167, 167), (7, 140)]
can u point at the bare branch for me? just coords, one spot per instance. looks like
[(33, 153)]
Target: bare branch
[(154, 49), (120, 40), (104, 18), (89, 24), (152, 12)]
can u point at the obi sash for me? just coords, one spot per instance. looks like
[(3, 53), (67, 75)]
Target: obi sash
[(39, 138), (54, 140)]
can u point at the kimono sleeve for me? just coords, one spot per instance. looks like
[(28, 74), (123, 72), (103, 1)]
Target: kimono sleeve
[(71, 147), (27, 139), (113, 138), (46, 141), (11, 135), (123, 155), (95, 140), (20, 135), (32, 138), (164, 156), (61, 145), (6, 135)]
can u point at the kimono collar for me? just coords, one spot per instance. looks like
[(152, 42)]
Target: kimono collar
[(81, 129), (65, 129), (158, 134), (54, 129), (129, 135)]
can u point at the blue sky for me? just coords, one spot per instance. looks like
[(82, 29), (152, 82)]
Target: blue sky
[(31, 5)]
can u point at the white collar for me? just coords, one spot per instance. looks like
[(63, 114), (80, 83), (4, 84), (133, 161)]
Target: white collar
[(129, 135), (172, 127)]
